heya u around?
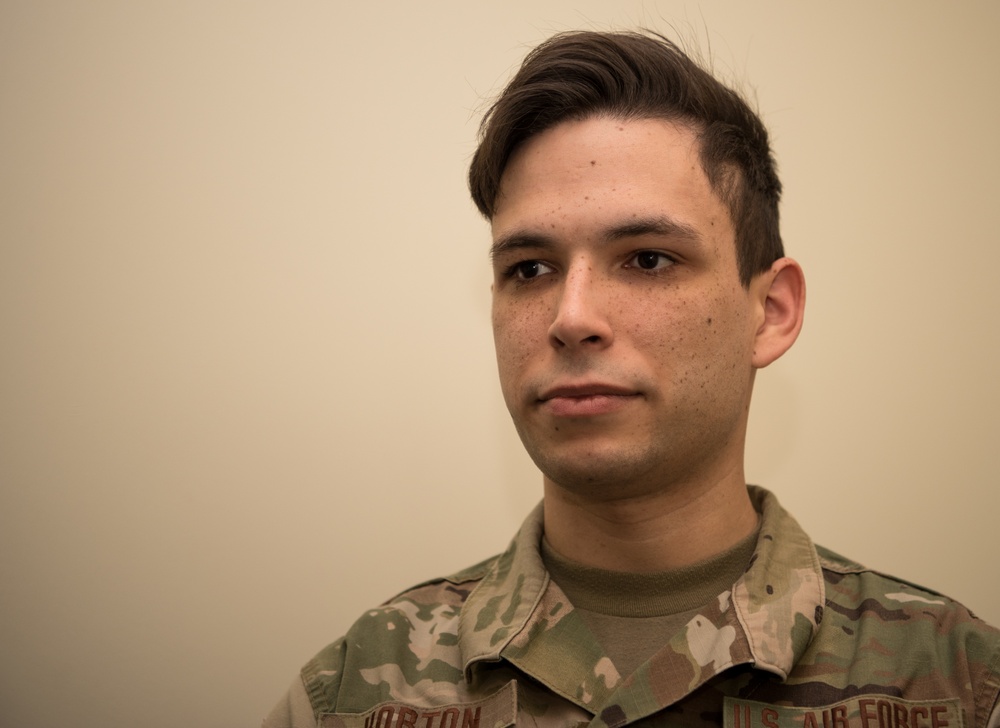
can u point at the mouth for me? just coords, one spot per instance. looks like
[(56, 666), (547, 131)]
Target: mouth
[(585, 399)]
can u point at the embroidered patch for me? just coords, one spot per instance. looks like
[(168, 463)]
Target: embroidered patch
[(496, 711), (863, 711)]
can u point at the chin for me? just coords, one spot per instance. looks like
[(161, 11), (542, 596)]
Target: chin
[(596, 474)]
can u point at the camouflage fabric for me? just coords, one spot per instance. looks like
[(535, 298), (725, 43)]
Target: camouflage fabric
[(805, 638)]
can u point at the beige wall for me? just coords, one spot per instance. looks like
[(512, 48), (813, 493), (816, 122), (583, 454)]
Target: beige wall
[(247, 375)]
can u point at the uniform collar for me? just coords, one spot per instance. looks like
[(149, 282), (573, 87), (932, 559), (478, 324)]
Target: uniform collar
[(767, 620), (505, 601)]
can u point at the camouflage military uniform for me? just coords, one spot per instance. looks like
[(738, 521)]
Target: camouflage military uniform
[(805, 638)]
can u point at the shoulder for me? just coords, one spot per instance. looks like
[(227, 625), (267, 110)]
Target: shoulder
[(447, 589), (851, 585), (897, 627), (390, 645), (431, 604)]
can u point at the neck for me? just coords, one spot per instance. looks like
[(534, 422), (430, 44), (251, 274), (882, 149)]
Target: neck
[(658, 531)]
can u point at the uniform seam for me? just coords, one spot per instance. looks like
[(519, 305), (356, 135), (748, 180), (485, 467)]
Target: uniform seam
[(993, 680), (859, 570), (438, 580)]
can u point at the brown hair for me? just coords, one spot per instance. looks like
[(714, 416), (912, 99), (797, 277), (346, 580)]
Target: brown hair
[(576, 75)]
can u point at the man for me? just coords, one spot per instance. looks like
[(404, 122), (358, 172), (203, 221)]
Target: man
[(639, 284)]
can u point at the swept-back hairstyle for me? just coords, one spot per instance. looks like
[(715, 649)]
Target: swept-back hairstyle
[(577, 75)]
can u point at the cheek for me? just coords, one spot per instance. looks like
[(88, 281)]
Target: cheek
[(725, 341), (666, 328), (515, 335), (699, 338)]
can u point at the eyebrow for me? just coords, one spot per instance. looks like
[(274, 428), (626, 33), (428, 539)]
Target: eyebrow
[(517, 240), (660, 226)]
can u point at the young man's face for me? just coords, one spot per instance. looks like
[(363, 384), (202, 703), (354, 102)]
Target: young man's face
[(624, 338)]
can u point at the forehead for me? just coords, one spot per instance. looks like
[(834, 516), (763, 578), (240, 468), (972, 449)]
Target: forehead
[(589, 172)]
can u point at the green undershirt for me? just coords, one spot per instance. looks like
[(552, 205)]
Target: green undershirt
[(632, 615)]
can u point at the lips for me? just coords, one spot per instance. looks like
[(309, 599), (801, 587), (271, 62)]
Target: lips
[(585, 399)]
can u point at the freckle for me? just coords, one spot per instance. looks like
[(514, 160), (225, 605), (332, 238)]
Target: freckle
[(593, 162), (709, 322)]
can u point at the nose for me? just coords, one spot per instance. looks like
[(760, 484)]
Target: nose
[(580, 318)]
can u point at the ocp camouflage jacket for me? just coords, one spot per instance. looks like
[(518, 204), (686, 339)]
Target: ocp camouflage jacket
[(804, 638)]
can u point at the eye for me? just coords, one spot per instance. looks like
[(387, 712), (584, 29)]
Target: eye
[(528, 269), (649, 260)]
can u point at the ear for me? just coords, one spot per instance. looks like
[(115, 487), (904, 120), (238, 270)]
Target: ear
[(781, 295)]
